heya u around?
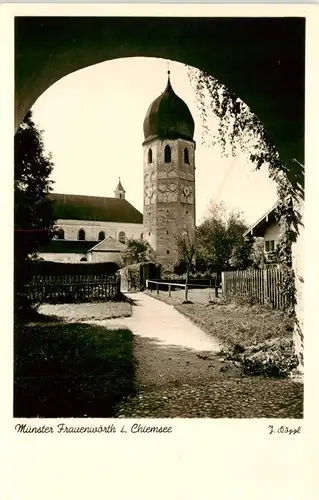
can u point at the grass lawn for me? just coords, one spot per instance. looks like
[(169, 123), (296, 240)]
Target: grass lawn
[(230, 323), (71, 370), (87, 310)]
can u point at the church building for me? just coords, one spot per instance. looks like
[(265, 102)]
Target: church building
[(95, 229), (169, 175), (92, 228)]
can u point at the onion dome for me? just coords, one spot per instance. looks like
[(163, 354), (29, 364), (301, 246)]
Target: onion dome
[(168, 117)]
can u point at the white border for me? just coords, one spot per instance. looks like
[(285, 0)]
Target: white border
[(202, 458)]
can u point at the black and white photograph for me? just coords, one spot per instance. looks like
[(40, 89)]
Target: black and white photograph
[(159, 217)]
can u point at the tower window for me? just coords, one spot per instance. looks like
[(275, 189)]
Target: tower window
[(121, 237), (167, 154), (186, 156), (150, 156), (81, 235), (167, 251), (101, 235), (166, 232), (60, 234)]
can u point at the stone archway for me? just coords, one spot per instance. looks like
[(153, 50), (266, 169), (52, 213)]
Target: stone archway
[(260, 59)]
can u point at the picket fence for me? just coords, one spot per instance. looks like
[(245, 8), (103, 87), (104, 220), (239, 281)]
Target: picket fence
[(78, 288), (262, 285)]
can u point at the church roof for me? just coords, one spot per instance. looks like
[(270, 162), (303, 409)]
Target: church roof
[(168, 117), (67, 246), (97, 208)]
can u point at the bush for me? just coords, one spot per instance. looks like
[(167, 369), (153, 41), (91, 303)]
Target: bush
[(132, 274), (274, 358)]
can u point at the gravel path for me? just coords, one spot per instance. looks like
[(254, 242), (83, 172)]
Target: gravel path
[(179, 374)]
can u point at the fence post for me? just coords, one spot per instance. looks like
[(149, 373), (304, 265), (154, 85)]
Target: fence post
[(146, 284), (157, 290), (223, 284), (169, 290), (265, 280)]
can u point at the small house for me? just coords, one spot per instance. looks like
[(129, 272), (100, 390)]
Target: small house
[(267, 227)]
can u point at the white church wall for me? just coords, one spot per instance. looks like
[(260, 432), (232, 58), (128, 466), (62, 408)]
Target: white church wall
[(92, 229), (62, 257)]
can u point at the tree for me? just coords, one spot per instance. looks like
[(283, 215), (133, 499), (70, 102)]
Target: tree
[(187, 250), (258, 253), (137, 251), (221, 242), (33, 217)]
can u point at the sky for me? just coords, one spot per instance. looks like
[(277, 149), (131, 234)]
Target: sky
[(93, 126)]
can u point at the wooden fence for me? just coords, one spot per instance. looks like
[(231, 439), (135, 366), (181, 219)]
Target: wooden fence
[(261, 285), (70, 289)]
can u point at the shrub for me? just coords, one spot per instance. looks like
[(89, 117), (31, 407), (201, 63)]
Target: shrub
[(132, 274), (275, 358)]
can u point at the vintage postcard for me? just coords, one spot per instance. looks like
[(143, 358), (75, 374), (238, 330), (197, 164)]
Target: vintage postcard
[(157, 292)]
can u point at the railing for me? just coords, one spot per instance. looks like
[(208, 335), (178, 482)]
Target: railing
[(78, 288), (169, 285)]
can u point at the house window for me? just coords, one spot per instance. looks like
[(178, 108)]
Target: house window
[(270, 246), (167, 154), (81, 235), (101, 235), (167, 251), (60, 234), (150, 156), (121, 237), (186, 156), (141, 236)]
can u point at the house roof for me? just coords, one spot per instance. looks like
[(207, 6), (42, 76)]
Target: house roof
[(259, 227), (97, 208), (108, 245), (67, 246)]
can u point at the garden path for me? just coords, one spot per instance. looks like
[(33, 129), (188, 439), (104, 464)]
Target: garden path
[(163, 324)]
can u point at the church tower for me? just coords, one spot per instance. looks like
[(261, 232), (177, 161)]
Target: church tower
[(169, 174), (119, 191)]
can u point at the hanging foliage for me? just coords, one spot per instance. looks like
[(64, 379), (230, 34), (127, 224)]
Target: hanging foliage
[(239, 128)]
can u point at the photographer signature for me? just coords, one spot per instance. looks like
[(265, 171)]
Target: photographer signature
[(284, 430)]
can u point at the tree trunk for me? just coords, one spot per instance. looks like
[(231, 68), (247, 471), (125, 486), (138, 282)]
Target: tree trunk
[(298, 266), (186, 285)]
